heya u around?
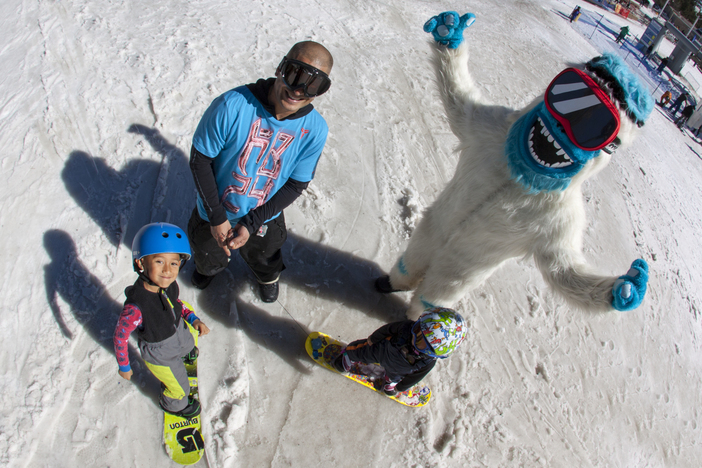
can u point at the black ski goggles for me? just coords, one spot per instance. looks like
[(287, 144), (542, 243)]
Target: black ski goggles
[(300, 75), (587, 114)]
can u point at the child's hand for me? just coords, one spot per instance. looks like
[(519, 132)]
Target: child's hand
[(126, 375), (201, 327)]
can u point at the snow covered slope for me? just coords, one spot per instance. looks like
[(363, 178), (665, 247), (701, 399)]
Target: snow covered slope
[(98, 103)]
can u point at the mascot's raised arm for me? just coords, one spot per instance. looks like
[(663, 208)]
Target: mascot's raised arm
[(517, 187)]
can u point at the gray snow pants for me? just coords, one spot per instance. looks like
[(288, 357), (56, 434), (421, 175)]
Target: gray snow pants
[(165, 360)]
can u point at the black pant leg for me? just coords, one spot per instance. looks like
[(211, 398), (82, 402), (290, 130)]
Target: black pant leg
[(209, 257), (263, 254)]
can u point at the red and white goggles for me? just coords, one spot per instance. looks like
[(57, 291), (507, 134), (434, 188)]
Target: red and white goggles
[(587, 114)]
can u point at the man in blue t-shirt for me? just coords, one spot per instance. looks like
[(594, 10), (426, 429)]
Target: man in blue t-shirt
[(254, 152)]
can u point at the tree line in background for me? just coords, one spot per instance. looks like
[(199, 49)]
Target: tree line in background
[(688, 9)]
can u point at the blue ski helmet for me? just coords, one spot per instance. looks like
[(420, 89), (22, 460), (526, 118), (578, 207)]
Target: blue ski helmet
[(444, 330), (158, 238)]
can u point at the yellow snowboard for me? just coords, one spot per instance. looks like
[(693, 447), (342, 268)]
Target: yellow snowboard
[(182, 436), (323, 349)]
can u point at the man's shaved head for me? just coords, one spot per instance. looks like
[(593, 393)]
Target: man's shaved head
[(313, 53)]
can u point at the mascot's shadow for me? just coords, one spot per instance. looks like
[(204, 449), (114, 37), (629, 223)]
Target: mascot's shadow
[(116, 201), (89, 303)]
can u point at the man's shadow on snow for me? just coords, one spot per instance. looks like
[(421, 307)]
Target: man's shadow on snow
[(89, 302), (116, 201), (142, 191)]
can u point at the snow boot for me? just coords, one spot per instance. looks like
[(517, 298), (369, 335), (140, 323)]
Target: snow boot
[(386, 387), (269, 291), (339, 364), (191, 356), (193, 409), (383, 285)]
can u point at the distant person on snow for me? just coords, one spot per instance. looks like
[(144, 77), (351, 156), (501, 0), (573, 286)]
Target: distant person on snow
[(678, 103), (253, 154), (665, 99), (575, 14), (168, 328), (685, 116), (622, 34), (406, 350), (664, 63)]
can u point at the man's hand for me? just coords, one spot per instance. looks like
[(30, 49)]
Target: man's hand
[(230, 238), (240, 237), (126, 375), (223, 234)]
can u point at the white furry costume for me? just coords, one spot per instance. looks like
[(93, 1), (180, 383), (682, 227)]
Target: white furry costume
[(493, 210)]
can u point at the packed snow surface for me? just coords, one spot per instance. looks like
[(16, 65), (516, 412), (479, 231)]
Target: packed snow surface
[(98, 104)]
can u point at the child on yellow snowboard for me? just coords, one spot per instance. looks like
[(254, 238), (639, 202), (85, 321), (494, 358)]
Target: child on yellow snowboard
[(167, 328), (408, 349)]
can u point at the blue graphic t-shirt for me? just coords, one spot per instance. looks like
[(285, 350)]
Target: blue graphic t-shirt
[(254, 153)]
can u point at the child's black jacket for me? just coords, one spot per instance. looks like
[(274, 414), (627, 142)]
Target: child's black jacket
[(160, 317), (392, 348)]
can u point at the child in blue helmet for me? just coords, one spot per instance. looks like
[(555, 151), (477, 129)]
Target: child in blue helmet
[(407, 350), (167, 327)]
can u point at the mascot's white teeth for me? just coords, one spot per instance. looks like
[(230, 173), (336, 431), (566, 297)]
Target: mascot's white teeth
[(545, 149)]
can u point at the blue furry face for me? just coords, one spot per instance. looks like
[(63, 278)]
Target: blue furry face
[(550, 148), (540, 154)]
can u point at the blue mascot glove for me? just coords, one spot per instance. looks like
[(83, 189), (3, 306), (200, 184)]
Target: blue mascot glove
[(629, 290), (447, 28)]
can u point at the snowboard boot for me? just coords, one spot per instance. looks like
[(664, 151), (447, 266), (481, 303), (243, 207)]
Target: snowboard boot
[(201, 281), (193, 409), (191, 356), (339, 364), (268, 291), (382, 285), (384, 386)]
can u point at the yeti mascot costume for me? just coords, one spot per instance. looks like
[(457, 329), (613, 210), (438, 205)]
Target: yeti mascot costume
[(517, 187)]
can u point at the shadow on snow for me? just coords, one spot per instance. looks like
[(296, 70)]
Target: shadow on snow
[(116, 201), (90, 304)]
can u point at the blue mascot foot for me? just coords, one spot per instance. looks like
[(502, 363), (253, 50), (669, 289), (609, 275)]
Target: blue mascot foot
[(629, 290)]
